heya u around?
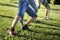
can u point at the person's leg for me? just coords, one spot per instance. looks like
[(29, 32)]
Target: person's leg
[(45, 3), (11, 30), (33, 5), (39, 2), (33, 15), (21, 12), (47, 12)]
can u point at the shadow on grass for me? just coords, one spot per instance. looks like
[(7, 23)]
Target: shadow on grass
[(51, 33), (58, 25), (54, 19), (18, 33), (6, 16), (56, 9), (49, 28), (38, 26), (42, 22), (25, 36), (5, 4), (15, 2), (44, 32)]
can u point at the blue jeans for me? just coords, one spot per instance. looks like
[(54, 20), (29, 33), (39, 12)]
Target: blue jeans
[(24, 7), (33, 4)]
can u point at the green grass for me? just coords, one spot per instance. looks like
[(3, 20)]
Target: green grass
[(40, 30)]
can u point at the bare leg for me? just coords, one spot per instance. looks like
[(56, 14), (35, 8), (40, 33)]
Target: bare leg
[(15, 21), (29, 21), (46, 16), (47, 13), (25, 26), (11, 31), (45, 3)]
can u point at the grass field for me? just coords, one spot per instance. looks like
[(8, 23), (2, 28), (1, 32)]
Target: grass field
[(40, 30)]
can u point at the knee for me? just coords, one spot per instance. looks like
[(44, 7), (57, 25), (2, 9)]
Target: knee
[(48, 7), (34, 17)]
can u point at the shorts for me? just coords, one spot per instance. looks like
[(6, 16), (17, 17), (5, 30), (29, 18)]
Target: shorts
[(34, 6), (44, 2), (24, 7)]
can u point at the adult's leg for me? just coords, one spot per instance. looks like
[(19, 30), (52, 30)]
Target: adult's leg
[(45, 3), (33, 5), (21, 12), (32, 13)]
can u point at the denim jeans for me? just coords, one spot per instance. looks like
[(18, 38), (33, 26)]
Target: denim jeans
[(24, 7), (34, 6)]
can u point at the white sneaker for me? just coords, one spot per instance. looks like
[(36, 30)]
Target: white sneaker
[(11, 32), (46, 18)]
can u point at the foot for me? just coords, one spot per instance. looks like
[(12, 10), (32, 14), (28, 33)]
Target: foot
[(11, 32), (25, 27), (46, 18), (34, 20)]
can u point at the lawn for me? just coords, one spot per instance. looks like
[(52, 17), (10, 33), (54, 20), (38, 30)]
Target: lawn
[(39, 30)]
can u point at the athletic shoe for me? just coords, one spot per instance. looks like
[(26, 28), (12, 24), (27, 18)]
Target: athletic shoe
[(25, 27), (11, 32), (46, 18)]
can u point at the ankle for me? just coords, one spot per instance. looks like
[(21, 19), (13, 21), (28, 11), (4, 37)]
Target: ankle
[(12, 29)]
